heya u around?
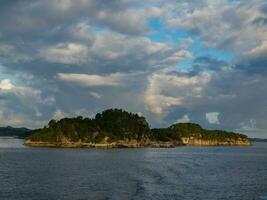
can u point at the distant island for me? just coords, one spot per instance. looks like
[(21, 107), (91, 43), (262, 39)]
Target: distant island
[(115, 128), (14, 132), (258, 140)]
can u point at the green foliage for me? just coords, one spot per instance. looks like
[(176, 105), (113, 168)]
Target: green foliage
[(177, 131), (165, 134), (116, 124), (113, 124), (74, 129), (187, 129), (123, 124)]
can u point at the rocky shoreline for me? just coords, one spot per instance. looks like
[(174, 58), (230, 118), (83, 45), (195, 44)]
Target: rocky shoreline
[(118, 144), (229, 142), (139, 144), (116, 128)]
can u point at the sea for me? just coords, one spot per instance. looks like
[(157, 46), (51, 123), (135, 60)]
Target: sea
[(184, 173)]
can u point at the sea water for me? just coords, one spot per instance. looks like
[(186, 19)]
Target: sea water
[(148, 173)]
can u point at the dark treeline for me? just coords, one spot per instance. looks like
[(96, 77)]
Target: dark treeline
[(14, 132), (116, 124), (177, 131), (112, 124)]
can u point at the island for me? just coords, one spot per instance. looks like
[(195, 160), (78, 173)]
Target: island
[(9, 131), (116, 128), (258, 139)]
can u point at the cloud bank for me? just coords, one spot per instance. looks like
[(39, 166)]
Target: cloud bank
[(173, 61)]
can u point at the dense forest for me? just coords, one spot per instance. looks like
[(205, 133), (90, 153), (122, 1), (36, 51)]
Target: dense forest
[(118, 125), (180, 130), (112, 124)]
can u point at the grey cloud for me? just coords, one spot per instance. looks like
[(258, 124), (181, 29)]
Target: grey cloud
[(49, 14), (261, 21), (60, 57), (220, 24)]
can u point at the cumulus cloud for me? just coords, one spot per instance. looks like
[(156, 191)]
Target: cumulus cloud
[(82, 32), (96, 95), (51, 12), (93, 80), (70, 53), (6, 84), (59, 114), (166, 90), (114, 52), (184, 119), (233, 22), (52, 52), (213, 117)]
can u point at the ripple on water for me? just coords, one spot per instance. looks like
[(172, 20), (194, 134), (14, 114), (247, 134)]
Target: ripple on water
[(179, 173)]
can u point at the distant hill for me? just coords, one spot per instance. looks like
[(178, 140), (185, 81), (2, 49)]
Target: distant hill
[(258, 140), (14, 132), (118, 128)]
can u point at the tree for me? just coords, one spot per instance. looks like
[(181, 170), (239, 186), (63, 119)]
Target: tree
[(52, 123)]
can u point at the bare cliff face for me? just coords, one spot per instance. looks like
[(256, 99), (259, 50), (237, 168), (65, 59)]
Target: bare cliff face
[(203, 142), (64, 142)]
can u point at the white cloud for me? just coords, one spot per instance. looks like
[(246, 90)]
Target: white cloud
[(91, 40), (140, 114), (38, 114), (249, 126), (66, 53), (224, 24), (22, 107), (178, 56), (6, 84), (49, 100), (156, 102), (188, 80), (213, 117), (261, 49), (113, 49), (96, 95), (92, 79), (82, 31), (59, 114), (184, 119), (166, 90)]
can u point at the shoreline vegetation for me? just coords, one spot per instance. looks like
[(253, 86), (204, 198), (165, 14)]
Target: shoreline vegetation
[(115, 128)]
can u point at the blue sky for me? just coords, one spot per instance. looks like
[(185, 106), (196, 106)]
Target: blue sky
[(173, 61)]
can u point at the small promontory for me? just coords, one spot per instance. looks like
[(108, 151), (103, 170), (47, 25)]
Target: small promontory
[(115, 128)]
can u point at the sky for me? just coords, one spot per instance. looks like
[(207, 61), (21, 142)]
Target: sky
[(201, 61)]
